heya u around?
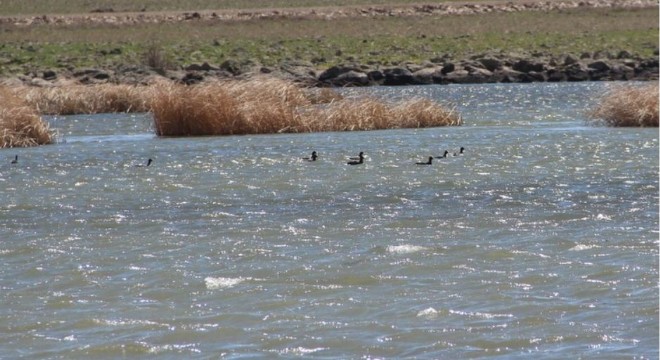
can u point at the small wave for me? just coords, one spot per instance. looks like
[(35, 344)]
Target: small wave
[(428, 313), (530, 254), (603, 217), (220, 214), (581, 247), (404, 249), (221, 282), (480, 314), (301, 350), (176, 348), (129, 322)]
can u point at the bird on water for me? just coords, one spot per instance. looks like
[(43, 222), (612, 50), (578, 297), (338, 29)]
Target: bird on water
[(443, 155), (460, 152), (357, 161), (426, 163), (148, 163), (15, 161), (312, 158)]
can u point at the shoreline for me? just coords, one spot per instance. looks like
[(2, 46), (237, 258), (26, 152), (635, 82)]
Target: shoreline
[(476, 69), (326, 59)]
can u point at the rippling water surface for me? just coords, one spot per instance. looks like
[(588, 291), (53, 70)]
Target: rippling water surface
[(541, 240)]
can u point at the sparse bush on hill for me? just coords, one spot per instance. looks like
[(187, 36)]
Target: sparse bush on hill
[(156, 58)]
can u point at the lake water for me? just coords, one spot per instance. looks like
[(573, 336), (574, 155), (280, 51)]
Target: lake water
[(540, 241)]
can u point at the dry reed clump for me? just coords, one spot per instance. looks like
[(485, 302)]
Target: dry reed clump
[(87, 99), (269, 105), (628, 106), (323, 95), (226, 107), (20, 124), (367, 113)]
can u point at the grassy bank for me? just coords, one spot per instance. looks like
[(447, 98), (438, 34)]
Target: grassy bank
[(269, 105), (20, 124), (626, 105), (375, 41)]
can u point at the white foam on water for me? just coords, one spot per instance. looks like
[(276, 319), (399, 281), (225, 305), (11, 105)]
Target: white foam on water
[(581, 247), (479, 314), (404, 249), (428, 313), (129, 322), (301, 350), (530, 253), (214, 283), (176, 348)]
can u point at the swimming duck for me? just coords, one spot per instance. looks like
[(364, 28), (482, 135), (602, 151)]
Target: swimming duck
[(15, 161), (443, 155), (360, 159), (312, 158), (426, 163), (460, 152), (148, 163)]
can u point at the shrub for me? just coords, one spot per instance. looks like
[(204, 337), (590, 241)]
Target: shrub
[(628, 105), (156, 58)]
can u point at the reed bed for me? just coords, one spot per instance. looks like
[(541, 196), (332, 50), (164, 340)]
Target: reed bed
[(628, 105), (266, 106), (20, 124), (366, 113), (87, 99), (225, 107)]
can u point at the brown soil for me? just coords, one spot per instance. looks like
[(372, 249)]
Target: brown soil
[(326, 13)]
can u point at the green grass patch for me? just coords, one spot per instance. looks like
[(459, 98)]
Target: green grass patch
[(373, 41)]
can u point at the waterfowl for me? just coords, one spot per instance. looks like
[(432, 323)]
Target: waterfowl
[(426, 163), (148, 163), (312, 158), (460, 152), (360, 160), (15, 161), (443, 155)]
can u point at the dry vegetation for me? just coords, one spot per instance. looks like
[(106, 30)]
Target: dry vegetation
[(20, 124), (261, 105), (274, 106), (627, 105), (81, 99)]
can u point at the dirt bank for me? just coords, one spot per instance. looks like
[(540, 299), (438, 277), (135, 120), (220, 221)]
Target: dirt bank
[(108, 16)]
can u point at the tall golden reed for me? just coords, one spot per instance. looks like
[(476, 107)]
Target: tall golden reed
[(20, 125), (627, 105), (87, 99), (269, 105), (258, 106)]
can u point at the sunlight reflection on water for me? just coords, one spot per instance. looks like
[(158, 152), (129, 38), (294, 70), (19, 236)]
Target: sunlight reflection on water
[(541, 239)]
